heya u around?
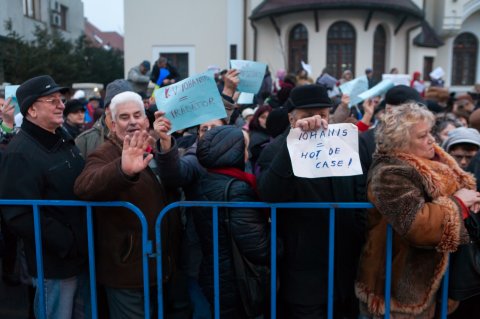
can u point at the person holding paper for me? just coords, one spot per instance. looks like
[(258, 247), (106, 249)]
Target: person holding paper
[(121, 169), (303, 270), (419, 190)]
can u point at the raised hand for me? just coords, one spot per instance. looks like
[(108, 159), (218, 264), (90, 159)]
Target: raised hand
[(231, 80), (162, 125), (133, 153)]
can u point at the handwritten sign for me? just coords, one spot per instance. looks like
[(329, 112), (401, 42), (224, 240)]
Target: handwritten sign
[(325, 153), (354, 88), (379, 89), (251, 75), (190, 102), (11, 91)]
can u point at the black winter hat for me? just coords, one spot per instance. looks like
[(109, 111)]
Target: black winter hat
[(222, 146), (72, 106), (401, 94), (309, 96), (30, 90)]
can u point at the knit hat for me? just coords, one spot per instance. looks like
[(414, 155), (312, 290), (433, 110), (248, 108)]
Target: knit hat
[(116, 87), (309, 96), (30, 90), (146, 65), (461, 135)]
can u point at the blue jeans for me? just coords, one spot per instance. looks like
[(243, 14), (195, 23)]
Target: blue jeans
[(65, 298)]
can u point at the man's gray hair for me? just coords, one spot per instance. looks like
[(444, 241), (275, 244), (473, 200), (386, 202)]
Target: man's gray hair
[(123, 98)]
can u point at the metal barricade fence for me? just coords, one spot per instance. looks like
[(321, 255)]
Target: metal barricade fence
[(147, 249), (146, 245), (273, 270)]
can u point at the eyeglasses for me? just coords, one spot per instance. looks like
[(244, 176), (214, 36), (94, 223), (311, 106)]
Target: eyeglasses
[(54, 101)]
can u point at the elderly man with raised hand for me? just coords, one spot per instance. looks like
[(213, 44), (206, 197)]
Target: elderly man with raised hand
[(303, 270), (42, 162), (122, 169)]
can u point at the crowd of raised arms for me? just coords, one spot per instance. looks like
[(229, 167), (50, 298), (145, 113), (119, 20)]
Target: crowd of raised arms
[(418, 150)]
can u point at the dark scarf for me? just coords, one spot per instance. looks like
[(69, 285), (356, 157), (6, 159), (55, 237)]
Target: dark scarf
[(250, 179)]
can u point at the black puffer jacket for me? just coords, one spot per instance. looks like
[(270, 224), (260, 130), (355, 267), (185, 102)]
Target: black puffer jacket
[(224, 147)]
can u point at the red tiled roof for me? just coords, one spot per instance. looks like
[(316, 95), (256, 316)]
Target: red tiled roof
[(281, 7), (102, 39)]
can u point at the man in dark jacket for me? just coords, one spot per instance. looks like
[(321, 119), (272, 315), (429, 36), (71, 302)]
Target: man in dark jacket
[(121, 169), (42, 162), (303, 270), (163, 73)]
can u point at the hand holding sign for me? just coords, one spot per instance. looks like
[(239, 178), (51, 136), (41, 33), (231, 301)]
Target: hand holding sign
[(326, 152), (161, 126), (231, 80), (251, 75), (313, 123)]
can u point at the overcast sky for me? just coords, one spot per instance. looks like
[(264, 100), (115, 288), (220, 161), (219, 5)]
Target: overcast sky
[(107, 15)]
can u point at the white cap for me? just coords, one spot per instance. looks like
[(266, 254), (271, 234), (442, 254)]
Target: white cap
[(247, 112)]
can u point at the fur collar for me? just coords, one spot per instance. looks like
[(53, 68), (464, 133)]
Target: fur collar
[(441, 175)]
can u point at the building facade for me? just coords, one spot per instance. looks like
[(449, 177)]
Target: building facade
[(25, 15), (410, 35)]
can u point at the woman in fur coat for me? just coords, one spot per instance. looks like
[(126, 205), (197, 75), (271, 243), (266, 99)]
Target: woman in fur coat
[(421, 191)]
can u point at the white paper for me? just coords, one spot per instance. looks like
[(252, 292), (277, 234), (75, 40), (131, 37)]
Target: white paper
[(245, 98), (397, 79), (307, 67), (325, 153), (437, 73)]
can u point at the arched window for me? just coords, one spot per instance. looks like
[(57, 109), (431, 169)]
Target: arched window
[(341, 48), (465, 51), (297, 47), (379, 52)]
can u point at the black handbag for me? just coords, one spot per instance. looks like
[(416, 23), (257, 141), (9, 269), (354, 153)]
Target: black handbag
[(464, 279), (251, 279)]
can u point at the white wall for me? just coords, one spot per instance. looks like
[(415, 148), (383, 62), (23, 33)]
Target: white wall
[(201, 25)]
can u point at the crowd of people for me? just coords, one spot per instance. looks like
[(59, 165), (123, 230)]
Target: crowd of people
[(419, 152)]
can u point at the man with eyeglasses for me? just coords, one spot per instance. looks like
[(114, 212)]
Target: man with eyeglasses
[(42, 162)]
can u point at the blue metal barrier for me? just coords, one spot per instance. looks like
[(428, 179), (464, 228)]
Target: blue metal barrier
[(273, 271), (146, 245)]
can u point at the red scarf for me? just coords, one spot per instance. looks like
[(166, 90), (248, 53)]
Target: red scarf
[(238, 174)]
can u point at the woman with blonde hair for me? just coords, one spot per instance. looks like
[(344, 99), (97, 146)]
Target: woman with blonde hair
[(424, 195)]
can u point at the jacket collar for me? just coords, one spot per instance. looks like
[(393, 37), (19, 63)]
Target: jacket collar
[(47, 139)]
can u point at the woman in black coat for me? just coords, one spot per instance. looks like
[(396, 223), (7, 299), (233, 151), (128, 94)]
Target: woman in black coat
[(223, 152)]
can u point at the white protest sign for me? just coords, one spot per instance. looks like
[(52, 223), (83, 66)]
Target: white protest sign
[(354, 88), (325, 153), (190, 102), (379, 89), (437, 73), (397, 79)]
